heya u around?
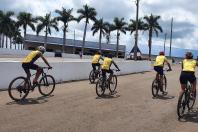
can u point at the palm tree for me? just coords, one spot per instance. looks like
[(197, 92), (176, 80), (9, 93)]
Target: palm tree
[(152, 25), (120, 26), (65, 17), (1, 17), (100, 26), (5, 22), (132, 25), (25, 19), (108, 33), (46, 23), (87, 13)]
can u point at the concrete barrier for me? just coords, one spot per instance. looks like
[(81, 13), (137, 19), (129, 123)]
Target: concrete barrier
[(68, 70), (21, 53)]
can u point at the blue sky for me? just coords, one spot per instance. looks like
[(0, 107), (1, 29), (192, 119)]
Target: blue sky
[(184, 12)]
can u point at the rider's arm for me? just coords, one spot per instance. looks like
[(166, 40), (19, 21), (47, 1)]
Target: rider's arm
[(197, 63), (115, 65), (101, 58), (46, 62), (168, 64)]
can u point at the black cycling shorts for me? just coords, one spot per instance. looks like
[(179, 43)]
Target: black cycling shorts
[(94, 65), (159, 70), (106, 71), (187, 76), (28, 66)]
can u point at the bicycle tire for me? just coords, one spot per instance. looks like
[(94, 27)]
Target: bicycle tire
[(100, 89), (19, 88), (42, 83), (191, 102), (154, 88), (92, 77), (113, 88), (181, 105), (164, 83)]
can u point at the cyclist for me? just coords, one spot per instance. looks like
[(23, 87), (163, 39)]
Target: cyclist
[(188, 72), (108, 61), (158, 67), (95, 61), (28, 63)]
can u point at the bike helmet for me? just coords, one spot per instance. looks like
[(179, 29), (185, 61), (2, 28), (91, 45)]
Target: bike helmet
[(110, 56), (41, 49), (189, 55), (161, 53)]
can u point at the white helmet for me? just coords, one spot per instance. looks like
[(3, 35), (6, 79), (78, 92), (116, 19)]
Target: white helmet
[(42, 49)]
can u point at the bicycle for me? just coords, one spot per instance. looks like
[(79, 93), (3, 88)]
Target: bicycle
[(103, 84), (185, 100), (22, 85), (94, 75), (156, 86)]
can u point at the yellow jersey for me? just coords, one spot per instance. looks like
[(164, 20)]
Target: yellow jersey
[(159, 61), (96, 59), (189, 65), (32, 57), (107, 63)]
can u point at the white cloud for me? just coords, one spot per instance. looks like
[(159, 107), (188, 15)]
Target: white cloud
[(184, 14)]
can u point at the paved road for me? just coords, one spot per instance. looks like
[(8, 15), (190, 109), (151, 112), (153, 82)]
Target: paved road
[(76, 108)]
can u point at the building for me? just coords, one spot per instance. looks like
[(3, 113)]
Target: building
[(54, 44)]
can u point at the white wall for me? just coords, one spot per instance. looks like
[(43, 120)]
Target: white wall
[(67, 71), (22, 53)]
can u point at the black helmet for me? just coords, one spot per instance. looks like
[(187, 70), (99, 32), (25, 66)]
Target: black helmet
[(110, 56), (189, 55)]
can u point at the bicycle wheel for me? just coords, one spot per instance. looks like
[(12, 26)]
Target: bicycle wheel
[(92, 77), (18, 88), (164, 83), (113, 84), (46, 85), (155, 88), (182, 104), (191, 101), (100, 87)]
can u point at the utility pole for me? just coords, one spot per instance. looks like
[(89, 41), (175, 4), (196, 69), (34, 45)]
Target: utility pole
[(136, 30), (74, 42), (171, 37), (165, 43)]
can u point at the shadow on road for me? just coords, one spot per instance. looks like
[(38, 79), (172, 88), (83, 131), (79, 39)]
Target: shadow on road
[(31, 101), (106, 96), (191, 116), (166, 97)]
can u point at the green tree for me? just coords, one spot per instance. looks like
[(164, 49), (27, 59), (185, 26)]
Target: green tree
[(87, 13), (100, 26), (5, 22), (120, 26), (132, 25), (25, 19), (151, 26), (108, 33), (65, 16), (46, 23)]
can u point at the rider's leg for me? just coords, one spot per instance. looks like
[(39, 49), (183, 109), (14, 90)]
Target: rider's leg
[(38, 73), (183, 81), (194, 86), (103, 76), (94, 67), (111, 74), (182, 89)]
